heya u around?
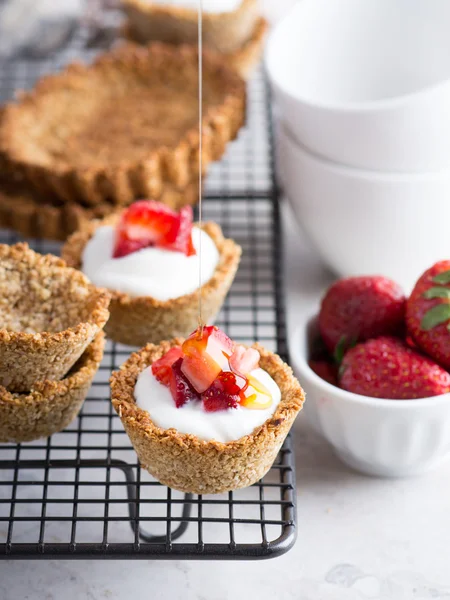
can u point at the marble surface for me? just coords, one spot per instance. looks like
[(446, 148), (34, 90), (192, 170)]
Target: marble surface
[(358, 538)]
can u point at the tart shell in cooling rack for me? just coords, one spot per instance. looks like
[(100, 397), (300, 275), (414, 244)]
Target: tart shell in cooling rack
[(237, 35), (138, 320), (183, 461), (125, 127), (224, 32)]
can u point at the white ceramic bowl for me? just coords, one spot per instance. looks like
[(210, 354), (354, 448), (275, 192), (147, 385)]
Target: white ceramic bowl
[(363, 222), (389, 438), (366, 82)]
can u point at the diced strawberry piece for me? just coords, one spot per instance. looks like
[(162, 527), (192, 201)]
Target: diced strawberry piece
[(209, 335), (183, 242), (244, 360), (207, 352), (124, 246), (217, 396), (191, 251), (201, 370), (215, 401), (219, 346), (180, 388), (256, 395), (145, 223), (220, 337), (162, 367), (232, 383)]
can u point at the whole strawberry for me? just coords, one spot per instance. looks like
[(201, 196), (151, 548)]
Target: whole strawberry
[(428, 313), (387, 368), (360, 308), (326, 370)]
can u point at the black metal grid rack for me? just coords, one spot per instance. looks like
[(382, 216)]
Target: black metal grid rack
[(81, 492)]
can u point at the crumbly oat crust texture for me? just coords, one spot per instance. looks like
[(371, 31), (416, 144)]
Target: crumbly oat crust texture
[(50, 406), (49, 315), (184, 462), (34, 216), (137, 321), (123, 128), (245, 59)]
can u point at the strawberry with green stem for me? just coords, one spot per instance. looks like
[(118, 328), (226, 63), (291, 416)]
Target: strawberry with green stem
[(359, 308), (428, 313)]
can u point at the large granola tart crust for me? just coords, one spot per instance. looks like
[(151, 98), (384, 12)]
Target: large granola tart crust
[(138, 320), (183, 461), (122, 128), (35, 216)]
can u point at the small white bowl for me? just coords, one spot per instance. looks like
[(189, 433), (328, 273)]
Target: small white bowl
[(365, 222), (388, 438), (366, 83)]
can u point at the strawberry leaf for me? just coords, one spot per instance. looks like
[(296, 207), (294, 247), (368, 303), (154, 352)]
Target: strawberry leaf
[(442, 278), (437, 292), (435, 316), (340, 349), (342, 346)]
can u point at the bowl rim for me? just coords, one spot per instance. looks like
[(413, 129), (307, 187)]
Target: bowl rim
[(380, 105), (300, 361), (362, 174)]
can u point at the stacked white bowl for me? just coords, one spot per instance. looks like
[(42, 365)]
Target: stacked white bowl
[(362, 93)]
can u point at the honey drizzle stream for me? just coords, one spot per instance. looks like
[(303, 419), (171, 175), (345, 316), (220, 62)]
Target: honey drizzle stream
[(200, 160)]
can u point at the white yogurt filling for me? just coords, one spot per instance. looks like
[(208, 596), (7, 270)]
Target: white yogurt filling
[(155, 272), (223, 426), (209, 6)]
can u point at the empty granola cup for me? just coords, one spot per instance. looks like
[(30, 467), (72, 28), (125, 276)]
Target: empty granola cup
[(50, 406), (49, 314)]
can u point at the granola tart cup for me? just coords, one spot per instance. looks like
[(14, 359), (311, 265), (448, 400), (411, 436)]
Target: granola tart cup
[(49, 315), (49, 406), (183, 461), (243, 60), (138, 320), (224, 32), (122, 128)]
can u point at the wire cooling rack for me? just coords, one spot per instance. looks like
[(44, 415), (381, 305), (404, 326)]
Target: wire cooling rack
[(81, 492)]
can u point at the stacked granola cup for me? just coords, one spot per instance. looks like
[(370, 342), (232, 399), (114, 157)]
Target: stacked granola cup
[(51, 342)]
